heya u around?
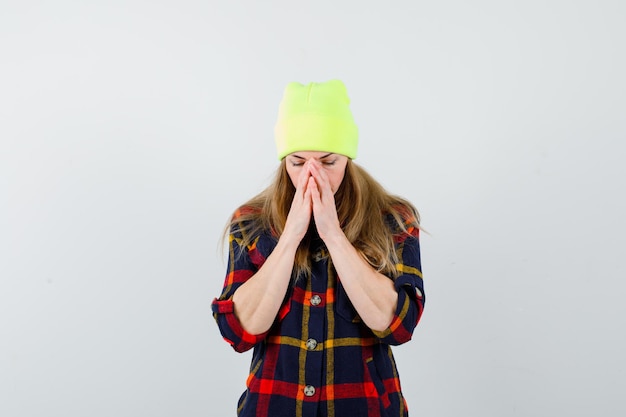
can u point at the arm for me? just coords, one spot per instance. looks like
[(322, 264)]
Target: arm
[(256, 302), (244, 296), (252, 296), (410, 288), (372, 294), (390, 308)]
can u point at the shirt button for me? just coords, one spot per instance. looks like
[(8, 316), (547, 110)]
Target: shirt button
[(309, 390), (316, 300), (311, 344)]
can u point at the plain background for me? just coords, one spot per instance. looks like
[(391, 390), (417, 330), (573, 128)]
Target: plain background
[(130, 130)]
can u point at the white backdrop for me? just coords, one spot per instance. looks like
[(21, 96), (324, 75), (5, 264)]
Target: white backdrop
[(129, 131)]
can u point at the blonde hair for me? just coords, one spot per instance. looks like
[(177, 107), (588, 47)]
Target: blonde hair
[(369, 216)]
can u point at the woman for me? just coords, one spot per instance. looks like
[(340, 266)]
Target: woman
[(324, 273)]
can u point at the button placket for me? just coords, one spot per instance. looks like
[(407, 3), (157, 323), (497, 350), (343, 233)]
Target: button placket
[(313, 339)]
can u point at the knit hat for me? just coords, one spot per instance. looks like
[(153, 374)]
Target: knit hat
[(316, 117)]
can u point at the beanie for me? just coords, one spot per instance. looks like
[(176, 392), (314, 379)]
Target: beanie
[(316, 117)]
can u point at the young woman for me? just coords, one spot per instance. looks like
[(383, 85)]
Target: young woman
[(324, 273)]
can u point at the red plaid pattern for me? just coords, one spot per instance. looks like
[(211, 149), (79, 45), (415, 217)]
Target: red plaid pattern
[(319, 359)]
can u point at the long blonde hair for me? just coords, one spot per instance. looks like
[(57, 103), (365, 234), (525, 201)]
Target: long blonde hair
[(369, 216)]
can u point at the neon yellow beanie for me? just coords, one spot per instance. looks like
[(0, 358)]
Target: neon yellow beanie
[(316, 117)]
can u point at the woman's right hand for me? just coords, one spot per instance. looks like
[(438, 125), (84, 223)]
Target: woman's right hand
[(299, 216), (258, 300)]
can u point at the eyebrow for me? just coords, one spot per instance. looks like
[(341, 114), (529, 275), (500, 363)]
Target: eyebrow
[(321, 157)]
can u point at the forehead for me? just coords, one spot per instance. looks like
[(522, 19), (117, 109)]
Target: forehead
[(310, 155)]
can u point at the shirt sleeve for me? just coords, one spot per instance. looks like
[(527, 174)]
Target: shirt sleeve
[(242, 264), (410, 287)]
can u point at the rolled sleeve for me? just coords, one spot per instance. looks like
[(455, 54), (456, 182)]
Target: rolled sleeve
[(242, 264), (230, 327), (410, 288)]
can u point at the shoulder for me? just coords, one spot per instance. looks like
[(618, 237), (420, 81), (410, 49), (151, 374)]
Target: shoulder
[(248, 224), (246, 211), (402, 221)]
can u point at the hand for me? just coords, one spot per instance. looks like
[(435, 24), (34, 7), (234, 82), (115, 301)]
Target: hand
[(299, 216), (323, 198)]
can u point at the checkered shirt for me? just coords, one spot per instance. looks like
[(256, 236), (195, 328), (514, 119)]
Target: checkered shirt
[(319, 359)]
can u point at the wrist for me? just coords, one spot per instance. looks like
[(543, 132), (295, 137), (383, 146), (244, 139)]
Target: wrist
[(289, 240), (335, 239)]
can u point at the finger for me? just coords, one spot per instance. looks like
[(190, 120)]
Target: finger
[(315, 193), (302, 181), (307, 190), (324, 176), (313, 166), (323, 182), (316, 180), (327, 190), (316, 173)]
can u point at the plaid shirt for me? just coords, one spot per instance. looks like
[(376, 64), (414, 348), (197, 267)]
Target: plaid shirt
[(318, 358)]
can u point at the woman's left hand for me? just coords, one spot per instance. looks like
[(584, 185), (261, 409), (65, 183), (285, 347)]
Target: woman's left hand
[(323, 197), (372, 294)]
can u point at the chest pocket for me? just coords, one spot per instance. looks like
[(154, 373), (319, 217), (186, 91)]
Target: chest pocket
[(344, 307)]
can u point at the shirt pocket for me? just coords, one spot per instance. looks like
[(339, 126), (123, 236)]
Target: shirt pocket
[(344, 307), (385, 403)]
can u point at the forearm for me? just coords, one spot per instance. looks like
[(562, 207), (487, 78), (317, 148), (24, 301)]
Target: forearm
[(372, 294), (258, 300)]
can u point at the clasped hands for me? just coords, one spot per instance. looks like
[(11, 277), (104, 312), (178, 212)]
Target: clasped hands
[(314, 196)]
